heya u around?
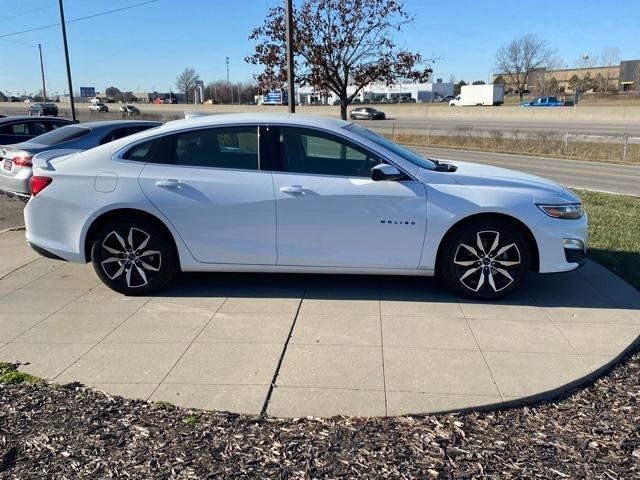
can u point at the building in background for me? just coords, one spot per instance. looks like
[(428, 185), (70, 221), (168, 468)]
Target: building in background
[(613, 78), (381, 93), (629, 79)]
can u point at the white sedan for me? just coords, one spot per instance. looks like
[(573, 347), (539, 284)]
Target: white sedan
[(280, 193)]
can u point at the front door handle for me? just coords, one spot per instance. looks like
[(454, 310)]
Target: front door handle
[(293, 189), (170, 183)]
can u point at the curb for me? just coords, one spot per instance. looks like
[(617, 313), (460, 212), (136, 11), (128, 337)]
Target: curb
[(12, 229)]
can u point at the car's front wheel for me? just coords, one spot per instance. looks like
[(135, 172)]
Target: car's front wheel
[(486, 260), (133, 256)]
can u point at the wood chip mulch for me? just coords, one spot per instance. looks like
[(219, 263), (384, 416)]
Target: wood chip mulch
[(49, 431)]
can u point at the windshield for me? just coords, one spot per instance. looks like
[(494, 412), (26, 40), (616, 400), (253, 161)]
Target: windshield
[(399, 150), (60, 135)]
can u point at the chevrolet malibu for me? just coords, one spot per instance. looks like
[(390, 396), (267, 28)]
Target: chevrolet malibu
[(280, 193)]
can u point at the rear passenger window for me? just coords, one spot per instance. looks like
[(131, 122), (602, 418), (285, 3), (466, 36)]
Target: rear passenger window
[(232, 147), (15, 129), (158, 150)]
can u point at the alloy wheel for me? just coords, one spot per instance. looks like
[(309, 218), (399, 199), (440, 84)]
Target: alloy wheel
[(132, 259), (489, 261)]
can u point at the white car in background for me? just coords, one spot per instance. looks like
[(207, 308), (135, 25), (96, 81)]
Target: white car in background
[(280, 193)]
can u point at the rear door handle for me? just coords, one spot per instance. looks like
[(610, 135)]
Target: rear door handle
[(293, 189), (171, 183)]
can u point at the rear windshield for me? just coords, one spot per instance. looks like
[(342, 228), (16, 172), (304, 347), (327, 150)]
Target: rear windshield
[(62, 134), (399, 150)]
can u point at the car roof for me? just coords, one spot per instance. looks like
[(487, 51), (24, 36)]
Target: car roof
[(116, 123), (262, 118), (21, 118)]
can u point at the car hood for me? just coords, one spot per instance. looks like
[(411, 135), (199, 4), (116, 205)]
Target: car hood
[(487, 175)]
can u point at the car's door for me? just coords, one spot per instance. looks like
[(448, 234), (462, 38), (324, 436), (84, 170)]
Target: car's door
[(210, 187), (331, 213)]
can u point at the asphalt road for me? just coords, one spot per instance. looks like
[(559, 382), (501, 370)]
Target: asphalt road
[(606, 177)]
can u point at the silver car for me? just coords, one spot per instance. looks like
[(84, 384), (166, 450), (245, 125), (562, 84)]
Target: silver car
[(15, 160)]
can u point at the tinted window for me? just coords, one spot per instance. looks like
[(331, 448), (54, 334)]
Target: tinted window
[(314, 152), (15, 129), (234, 147), (37, 128), (62, 135), (158, 150)]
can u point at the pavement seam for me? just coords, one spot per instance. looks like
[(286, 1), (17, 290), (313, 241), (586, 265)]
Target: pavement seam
[(187, 349), (105, 336), (384, 373), (483, 357), (265, 405)]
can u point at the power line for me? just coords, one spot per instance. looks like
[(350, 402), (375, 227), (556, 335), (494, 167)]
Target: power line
[(78, 19), (20, 43), (25, 13)]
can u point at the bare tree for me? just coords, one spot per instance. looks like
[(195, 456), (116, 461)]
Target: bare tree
[(521, 57), (186, 81), (340, 46), (610, 60)]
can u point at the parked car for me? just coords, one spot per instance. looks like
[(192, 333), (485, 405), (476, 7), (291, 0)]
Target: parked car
[(366, 113), (198, 195), (19, 129), (16, 160), (98, 107), (129, 111), (43, 109), (543, 102)]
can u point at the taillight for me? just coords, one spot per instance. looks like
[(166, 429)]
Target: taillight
[(22, 161), (39, 183)]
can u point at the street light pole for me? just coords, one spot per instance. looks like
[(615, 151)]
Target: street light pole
[(66, 56), (290, 53), (44, 88)]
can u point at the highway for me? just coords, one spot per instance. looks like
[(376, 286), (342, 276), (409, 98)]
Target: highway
[(605, 177)]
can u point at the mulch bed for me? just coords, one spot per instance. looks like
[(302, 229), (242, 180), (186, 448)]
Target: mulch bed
[(64, 432)]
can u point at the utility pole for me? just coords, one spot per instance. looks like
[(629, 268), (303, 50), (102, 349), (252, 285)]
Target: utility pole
[(228, 81), (66, 56), (44, 88), (290, 53)]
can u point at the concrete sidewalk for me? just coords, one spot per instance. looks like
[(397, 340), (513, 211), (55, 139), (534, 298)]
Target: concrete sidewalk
[(295, 345)]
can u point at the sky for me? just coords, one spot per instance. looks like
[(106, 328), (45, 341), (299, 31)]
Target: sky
[(145, 48)]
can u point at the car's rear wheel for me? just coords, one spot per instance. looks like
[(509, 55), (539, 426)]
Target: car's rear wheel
[(133, 256), (486, 260)]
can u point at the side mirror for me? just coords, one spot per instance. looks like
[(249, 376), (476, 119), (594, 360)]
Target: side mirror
[(386, 172)]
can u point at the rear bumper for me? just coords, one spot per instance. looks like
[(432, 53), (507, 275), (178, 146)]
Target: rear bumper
[(18, 186), (44, 252)]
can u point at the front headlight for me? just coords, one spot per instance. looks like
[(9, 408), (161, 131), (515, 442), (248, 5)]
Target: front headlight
[(570, 211)]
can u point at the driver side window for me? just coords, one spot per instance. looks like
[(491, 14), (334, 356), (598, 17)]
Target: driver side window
[(314, 152)]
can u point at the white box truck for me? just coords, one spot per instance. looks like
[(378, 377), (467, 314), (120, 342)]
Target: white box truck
[(476, 95)]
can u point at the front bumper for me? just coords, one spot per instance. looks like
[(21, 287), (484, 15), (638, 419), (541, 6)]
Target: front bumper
[(551, 236)]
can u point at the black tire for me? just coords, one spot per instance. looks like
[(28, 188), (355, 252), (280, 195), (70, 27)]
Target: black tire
[(490, 272), (370, 117), (131, 272)]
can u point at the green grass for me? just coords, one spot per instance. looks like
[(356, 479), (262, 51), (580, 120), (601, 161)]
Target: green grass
[(11, 376), (614, 233)]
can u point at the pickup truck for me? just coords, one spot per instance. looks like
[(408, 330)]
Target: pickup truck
[(544, 102)]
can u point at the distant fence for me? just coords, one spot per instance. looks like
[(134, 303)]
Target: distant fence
[(621, 148)]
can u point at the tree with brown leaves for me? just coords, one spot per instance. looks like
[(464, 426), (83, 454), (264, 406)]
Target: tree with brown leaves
[(337, 44)]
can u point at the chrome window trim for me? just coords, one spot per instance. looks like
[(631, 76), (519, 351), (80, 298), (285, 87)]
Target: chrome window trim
[(118, 155)]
